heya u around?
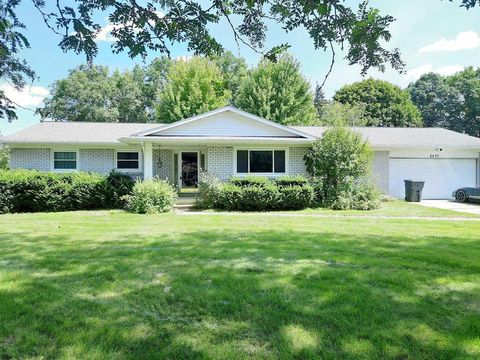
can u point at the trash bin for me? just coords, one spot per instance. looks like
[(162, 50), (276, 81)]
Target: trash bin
[(413, 190)]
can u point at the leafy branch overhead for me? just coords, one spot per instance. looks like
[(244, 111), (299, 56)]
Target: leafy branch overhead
[(140, 27)]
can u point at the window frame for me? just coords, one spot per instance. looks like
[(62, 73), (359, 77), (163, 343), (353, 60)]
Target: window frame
[(139, 168), (271, 174), (57, 150)]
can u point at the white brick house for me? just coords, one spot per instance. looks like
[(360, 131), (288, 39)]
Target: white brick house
[(230, 142)]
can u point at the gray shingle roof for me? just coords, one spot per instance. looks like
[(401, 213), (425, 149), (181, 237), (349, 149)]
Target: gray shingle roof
[(109, 133), (76, 132), (405, 137)]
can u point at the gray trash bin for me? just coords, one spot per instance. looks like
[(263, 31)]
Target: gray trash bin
[(413, 190)]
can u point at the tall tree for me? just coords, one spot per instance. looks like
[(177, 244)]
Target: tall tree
[(193, 87), (139, 27), (467, 82), (385, 104), (85, 95), (439, 102), (234, 70), (278, 91), (338, 114), (319, 100), (127, 97)]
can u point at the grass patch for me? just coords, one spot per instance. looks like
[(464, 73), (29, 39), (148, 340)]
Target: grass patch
[(96, 285)]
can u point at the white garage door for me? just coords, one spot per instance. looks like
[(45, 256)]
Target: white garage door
[(441, 176)]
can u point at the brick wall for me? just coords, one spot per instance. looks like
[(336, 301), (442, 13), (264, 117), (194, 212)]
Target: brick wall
[(165, 159), (97, 160), (38, 159), (296, 164), (381, 170), (220, 161)]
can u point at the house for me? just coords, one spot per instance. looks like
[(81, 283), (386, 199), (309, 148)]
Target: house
[(228, 142)]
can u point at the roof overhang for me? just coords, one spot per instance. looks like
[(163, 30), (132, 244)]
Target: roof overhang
[(189, 140)]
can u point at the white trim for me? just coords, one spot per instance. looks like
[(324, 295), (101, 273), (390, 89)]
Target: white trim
[(272, 174), (221, 110), (115, 160), (179, 175), (52, 159)]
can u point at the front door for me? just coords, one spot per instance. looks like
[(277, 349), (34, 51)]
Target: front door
[(189, 170)]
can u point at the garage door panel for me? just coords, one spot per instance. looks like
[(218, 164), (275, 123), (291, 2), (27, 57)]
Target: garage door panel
[(441, 176)]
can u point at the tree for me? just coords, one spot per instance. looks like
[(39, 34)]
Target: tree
[(193, 87), (4, 157), (139, 27), (338, 163), (467, 83), (338, 114), (439, 102), (85, 95), (233, 69), (277, 91), (127, 97), (319, 100), (385, 104)]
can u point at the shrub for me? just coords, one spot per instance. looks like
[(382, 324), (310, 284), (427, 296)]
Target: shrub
[(33, 191), (208, 188), (295, 197), (297, 180), (339, 163), (118, 186), (258, 181), (151, 197), (248, 198)]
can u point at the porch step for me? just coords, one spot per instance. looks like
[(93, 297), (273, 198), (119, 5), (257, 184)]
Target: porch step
[(185, 200)]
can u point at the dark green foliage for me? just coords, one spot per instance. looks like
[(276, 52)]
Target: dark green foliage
[(297, 180), (438, 101), (34, 191), (319, 100), (339, 163), (451, 102), (4, 157), (256, 193), (385, 104), (151, 197)]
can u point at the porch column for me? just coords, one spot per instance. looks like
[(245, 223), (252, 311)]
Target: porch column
[(147, 161)]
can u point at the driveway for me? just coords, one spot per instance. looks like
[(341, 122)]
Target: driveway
[(471, 208)]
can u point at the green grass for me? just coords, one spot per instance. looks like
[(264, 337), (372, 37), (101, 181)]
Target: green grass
[(112, 285), (394, 208)]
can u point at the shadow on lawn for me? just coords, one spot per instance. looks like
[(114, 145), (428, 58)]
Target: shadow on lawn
[(234, 294)]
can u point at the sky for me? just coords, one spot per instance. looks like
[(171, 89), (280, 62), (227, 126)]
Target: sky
[(432, 35)]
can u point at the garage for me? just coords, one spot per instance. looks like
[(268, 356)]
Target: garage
[(441, 176)]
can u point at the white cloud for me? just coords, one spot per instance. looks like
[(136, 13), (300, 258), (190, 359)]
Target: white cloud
[(105, 33), (463, 41), (30, 96), (415, 73)]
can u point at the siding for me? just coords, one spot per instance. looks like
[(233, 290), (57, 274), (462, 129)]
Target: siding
[(296, 164), (165, 159), (381, 170), (226, 124), (97, 160), (220, 161), (37, 159)]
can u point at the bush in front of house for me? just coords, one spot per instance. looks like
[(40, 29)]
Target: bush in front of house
[(151, 197), (208, 188), (339, 164), (35, 191), (255, 193)]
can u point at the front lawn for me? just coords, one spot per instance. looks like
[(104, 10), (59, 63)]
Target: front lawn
[(98, 285)]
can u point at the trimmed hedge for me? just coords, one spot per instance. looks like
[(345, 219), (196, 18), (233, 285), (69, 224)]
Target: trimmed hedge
[(261, 194), (151, 197), (35, 191)]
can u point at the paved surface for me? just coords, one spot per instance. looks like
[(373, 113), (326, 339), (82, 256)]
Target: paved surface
[(471, 208)]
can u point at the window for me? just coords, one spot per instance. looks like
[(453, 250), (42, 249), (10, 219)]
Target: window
[(128, 160), (64, 160), (260, 161)]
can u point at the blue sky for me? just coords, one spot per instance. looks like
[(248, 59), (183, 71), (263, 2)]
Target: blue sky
[(433, 35)]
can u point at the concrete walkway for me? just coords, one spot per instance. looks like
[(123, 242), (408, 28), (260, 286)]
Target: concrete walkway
[(471, 208)]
